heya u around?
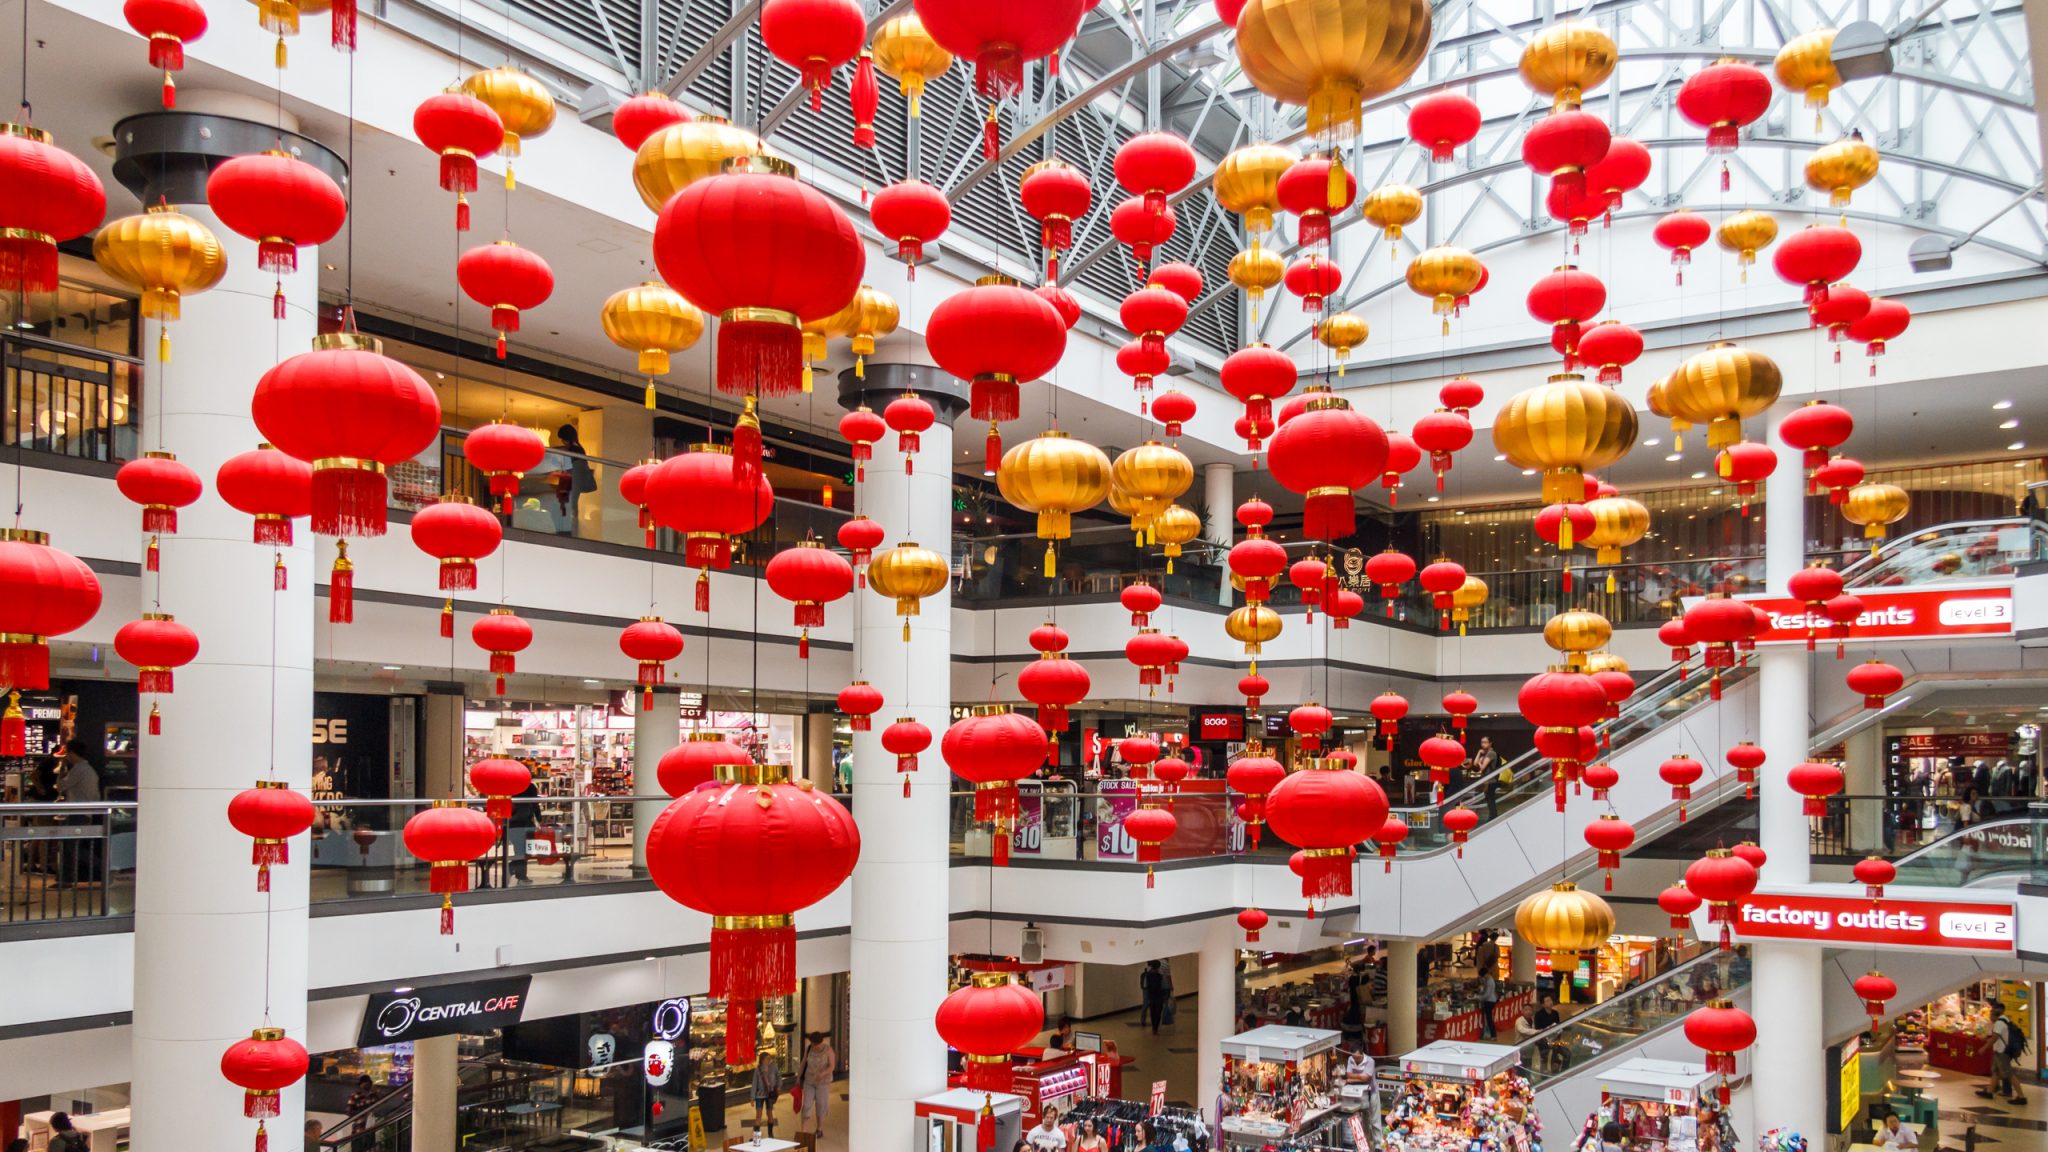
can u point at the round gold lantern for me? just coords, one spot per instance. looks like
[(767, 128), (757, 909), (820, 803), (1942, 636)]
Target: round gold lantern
[(1839, 169), (1469, 598), (681, 154), (907, 54), (522, 103), (1124, 504), (1565, 59), (164, 254), (871, 314), (1390, 208), (1331, 56), (1340, 332), (1747, 233), (1056, 476), (1257, 271), (1874, 506), (1598, 662), (282, 18), (1248, 184), (1806, 65), (1253, 626), (652, 320), (1576, 632), (1174, 527), (1721, 387), (1617, 523), (1151, 476), (1565, 427), (1564, 921), (1446, 275), (907, 574), (1659, 404)]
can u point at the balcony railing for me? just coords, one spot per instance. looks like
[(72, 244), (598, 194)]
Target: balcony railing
[(70, 401)]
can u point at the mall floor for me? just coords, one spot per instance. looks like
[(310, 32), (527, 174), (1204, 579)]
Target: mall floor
[(1999, 1123)]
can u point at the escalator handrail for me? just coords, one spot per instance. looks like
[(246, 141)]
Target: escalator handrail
[(1893, 549), (1527, 1048), (1944, 843)]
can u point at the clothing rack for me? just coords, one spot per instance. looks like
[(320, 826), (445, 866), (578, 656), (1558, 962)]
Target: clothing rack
[(1117, 1121)]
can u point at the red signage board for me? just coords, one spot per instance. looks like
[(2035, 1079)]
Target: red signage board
[(1220, 725), (1901, 614), (1968, 926), (1954, 743)]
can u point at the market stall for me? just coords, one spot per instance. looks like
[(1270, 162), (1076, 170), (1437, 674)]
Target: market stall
[(1320, 1000), (1455, 1095), (1455, 1012), (1958, 1030), (1277, 1086), (1661, 1106), (952, 1121)]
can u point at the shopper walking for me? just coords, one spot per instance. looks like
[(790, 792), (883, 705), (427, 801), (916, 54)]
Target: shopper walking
[(358, 1108), (519, 832), (1047, 1137), (1489, 999), (65, 1138), (1486, 766), (821, 1064), (2008, 1043), (766, 1087), (571, 479), (1152, 995)]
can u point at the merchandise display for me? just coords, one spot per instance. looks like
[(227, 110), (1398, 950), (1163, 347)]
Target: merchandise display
[(1278, 1085), (1455, 1096), (1958, 1034), (1661, 1106), (1453, 1011)]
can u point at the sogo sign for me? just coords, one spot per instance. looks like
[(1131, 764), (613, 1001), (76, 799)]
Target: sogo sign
[(1887, 923), (1920, 614)]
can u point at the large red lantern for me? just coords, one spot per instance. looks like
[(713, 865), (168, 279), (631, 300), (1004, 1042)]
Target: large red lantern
[(1387, 709), (1443, 756), (1883, 322), (986, 1020), (1601, 777), (1257, 375), (270, 486), (1460, 705), (263, 1066), (1140, 599), (1253, 688), (1141, 230), (1461, 395), (1326, 811), (1725, 97), (1152, 314), (1054, 683), (997, 335), (1722, 879), (1258, 561), (1151, 827), (156, 644), (1442, 581), (1182, 279), (1875, 988), (1874, 680), (695, 762), (508, 280), (1679, 902), (1326, 454), (1610, 346), (47, 196), (750, 852), (1610, 836), (1752, 852), (460, 129), (1816, 428), (1874, 872), (1442, 122), (993, 749), (1460, 822), (1564, 144), (458, 534), (862, 429), (811, 576), (1674, 635), (1252, 920), (1151, 651), (1720, 624), (1681, 232), (1173, 408), (1062, 301), (504, 452), (860, 537), (1310, 722), (651, 642), (1001, 38), (1314, 279), (638, 117), (504, 635), (43, 593), (1056, 194), (910, 416), (904, 740), (161, 485), (1816, 782), (912, 214), (1154, 165), (815, 37), (1720, 1030), (860, 701), (702, 494), (1815, 257), (1309, 575), (498, 780), (1746, 758), (728, 243), (1440, 433), (449, 836), (168, 25), (1622, 170), (270, 814), (282, 203), (1566, 298), (1838, 476), (1304, 190), (1254, 776), (1814, 586)]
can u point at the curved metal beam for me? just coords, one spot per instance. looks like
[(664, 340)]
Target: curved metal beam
[(796, 91), (742, 18)]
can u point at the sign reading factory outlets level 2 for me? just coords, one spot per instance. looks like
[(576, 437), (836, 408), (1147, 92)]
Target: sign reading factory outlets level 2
[(1920, 614), (1886, 923), (417, 1013)]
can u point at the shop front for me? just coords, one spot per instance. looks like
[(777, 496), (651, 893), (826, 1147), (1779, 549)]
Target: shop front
[(1660, 1106), (1455, 1096), (1279, 1088)]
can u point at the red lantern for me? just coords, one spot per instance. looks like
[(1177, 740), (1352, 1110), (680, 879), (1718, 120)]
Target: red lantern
[(507, 279), (1326, 811), (1142, 364), (703, 495), (695, 762), (811, 576), (1680, 232), (1575, 206), (47, 196), (270, 486), (1062, 301), (1170, 771), (1874, 988), (156, 644), (1748, 850), (814, 37), (458, 534), (1720, 1030), (1310, 721), (1838, 476), (1601, 778), (1816, 782), (1140, 599), (1564, 144), (860, 700), (282, 203), (913, 214), (504, 453), (1152, 314), (633, 490), (997, 335), (161, 485), (1885, 321), (987, 1019), (1724, 97), (263, 1066), (270, 814), (1254, 776), (1403, 454), (1314, 279), (1055, 684), (1874, 872), (750, 852), (866, 97), (1460, 705), (727, 243), (1258, 561), (1610, 346), (1746, 758), (1817, 256), (904, 740), (168, 25), (504, 635), (1461, 395), (1443, 756), (994, 749), (1257, 375), (1442, 580), (1814, 586), (1001, 38), (1610, 836), (1722, 879), (449, 836), (1566, 298), (1154, 165), (860, 536), (1304, 190), (1151, 651), (1387, 709), (1674, 635), (1720, 623), (1441, 433), (1564, 525), (1252, 920), (1746, 463), (1816, 428), (1392, 831), (1681, 772), (1679, 902), (461, 129), (1326, 454), (43, 593), (910, 416), (350, 412), (498, 780), (862, 428), (1056, 194), (1844, 306), (651, 642), (1138, 753), (1174, 409), (1182, 279), (1140, 229), (1443, 121), (1151, 828), (1390, 571), (1253, 688), (1309, 575), (1344, 606), (1874, 680), (1460, 822), (1622, 170), (638, 117), (1619, 686)]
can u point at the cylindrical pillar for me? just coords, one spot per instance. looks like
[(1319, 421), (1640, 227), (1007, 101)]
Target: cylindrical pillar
[(1785, 998), (204, 936), (900, 930), (441, 755), (1863, 767), (1219, 492), (1215, 1009), (1522, 961), (435, 1079), (655, 731), (1401, 996), (817, 763)]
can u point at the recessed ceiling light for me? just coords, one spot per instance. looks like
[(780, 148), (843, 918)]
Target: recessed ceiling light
[(1715, 492), (1502, 456), (2010, 424), (2001, 406), (1699, 475), (2015, 446), (1528, 471), (1674, 457), (588, 680), (1434, 499), (394, 667), (1651, 443)]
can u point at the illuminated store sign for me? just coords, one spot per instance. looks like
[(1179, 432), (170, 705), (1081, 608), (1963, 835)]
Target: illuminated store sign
[(1886, 923)]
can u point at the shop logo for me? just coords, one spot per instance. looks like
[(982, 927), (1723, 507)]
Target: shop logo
[(443, 1010), (398, 1016)]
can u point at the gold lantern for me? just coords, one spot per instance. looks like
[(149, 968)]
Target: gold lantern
[(164, 254), (1565, 427), (1257, 271), (1446, 275), (678, 155), (869, 315), (1576, 632), (1124, 504), (1248, 184), (1617, 523), (907, 54), (1874, 506), (1340, 332), (907, 574), (1747, 233), (282, 17), (1721, 387), (1598, 662), (1565, 59), (1839, 169), (1253, 626), (1151, 476), (523, 105), (1390, 208), (1174, 527), (1659, 404), (653, 320), (1331, 56), (1056, 476), (1469, 598), (1806, 65), (1564, 922)]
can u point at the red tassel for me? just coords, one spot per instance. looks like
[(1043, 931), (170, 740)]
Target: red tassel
[(992, 460), (906, 787), (150, 556), (341, 590), (277, 575), (447, 916), (759, 357), (344, 15), (263, 878), (349, 502), (646, 699), (156, 721), (447, 619), (803, 645), (462, 203), (501, 684), (262, 1138), (1148, 876), (991, 137), (703, 591), (1002, 845)]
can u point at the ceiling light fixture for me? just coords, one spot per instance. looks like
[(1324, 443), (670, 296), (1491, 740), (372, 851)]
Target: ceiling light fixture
[(2010, 424), (1651, 443), (2001, 406), (1674, 457), (2016, 446)]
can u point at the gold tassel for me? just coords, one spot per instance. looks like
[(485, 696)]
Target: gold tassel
[(649, 398), (163, 333), (1050, 569), (1610, 583), (280, 52), (511, 182), (906, 629)]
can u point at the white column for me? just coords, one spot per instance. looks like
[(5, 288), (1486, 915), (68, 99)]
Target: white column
[(435, 1081), (1786, 987), (655, 731), (201, 928), (1401, 996), (1863, 765), (1219, 492), (900, 933), (1522, 961), (1215, 1009)]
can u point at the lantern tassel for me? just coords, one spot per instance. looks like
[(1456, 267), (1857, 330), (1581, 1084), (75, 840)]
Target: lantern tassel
[(447, 619), (277, 575), (344, 34), (703, 591), (462, 202), (156, 720), (746, 446), (13, 728), (991, 136), (150, 560), (341, 587)]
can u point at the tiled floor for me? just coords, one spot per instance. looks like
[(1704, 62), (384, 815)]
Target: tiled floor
[(1999, 1124)]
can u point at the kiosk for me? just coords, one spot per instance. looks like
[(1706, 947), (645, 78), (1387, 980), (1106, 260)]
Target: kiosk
[(1278, 1082), (949, 1121), (1662, 1106), (1454, 1094)]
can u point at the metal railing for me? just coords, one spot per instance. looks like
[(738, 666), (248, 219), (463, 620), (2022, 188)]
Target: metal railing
[(1635, 1013), (68, 400)]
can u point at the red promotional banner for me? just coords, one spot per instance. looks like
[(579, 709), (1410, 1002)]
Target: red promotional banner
[(1887, 923), (1905, 614)]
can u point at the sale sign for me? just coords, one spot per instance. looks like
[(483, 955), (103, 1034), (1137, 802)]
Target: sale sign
[(1968, 926), (1897, 614)]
